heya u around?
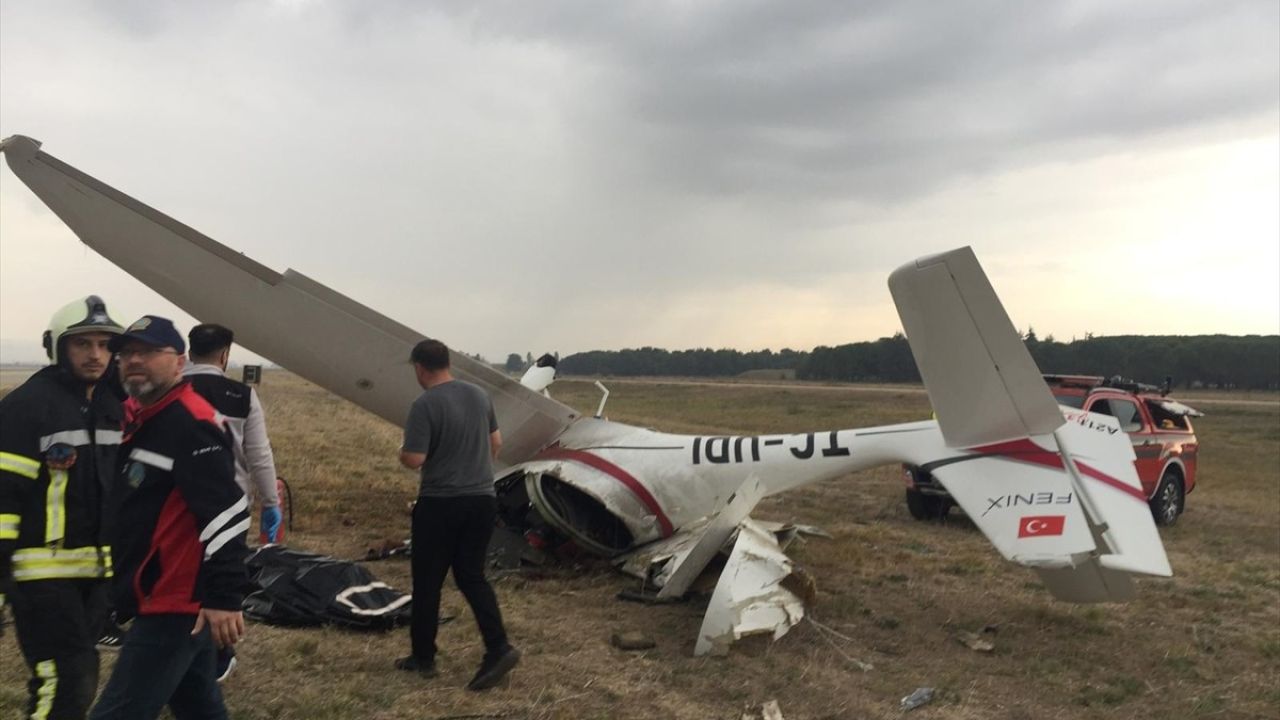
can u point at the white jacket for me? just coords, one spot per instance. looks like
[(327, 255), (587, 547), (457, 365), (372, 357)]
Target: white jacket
[(255, 465)]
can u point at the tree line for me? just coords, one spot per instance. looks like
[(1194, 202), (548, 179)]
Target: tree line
[(703, 362), (1247, 361)]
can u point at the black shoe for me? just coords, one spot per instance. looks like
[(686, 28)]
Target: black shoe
[(494, 668), (226, 662), (112, 637), (410, 663)]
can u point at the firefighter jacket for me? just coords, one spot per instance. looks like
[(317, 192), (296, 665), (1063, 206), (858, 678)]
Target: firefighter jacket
[(57, 465), (181, 518)]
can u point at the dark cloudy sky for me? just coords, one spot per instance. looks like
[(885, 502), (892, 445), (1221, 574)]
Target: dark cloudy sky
[(536, 176)]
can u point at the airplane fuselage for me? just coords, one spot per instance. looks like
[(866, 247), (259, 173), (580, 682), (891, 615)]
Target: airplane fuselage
[(654, 483)]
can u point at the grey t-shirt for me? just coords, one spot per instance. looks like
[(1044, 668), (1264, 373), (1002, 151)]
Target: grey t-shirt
[(451, 423)]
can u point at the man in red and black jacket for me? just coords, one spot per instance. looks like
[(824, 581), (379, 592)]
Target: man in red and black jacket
[(179, 548)]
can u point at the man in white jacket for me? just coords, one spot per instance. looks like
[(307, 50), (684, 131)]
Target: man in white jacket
[(209, 350)]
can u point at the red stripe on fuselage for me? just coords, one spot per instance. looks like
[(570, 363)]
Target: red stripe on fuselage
[(1025, 450), (640, 491)]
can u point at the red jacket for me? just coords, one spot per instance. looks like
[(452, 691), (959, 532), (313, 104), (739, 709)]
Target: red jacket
[(181, 519)]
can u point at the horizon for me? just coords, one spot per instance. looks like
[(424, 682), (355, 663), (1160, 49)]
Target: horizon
[(238, 351)]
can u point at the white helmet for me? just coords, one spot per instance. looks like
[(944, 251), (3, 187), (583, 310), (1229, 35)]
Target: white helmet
[(86, 315)]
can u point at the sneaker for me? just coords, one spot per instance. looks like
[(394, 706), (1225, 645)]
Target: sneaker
[(410, 663), (225, 663), (494, 668), (112, 637)]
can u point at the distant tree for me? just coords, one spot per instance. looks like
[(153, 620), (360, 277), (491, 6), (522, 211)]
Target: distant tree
[(514, 363)]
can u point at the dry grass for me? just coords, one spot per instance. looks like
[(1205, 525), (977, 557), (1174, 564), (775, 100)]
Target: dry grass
[(1204, 644)]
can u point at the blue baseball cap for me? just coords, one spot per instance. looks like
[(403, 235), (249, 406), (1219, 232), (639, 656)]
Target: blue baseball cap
[(151, 330)]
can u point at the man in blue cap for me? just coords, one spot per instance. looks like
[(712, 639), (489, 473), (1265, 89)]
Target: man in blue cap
[(179, 548)]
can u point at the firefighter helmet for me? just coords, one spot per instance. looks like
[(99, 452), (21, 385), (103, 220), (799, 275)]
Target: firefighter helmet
[(86, 315)]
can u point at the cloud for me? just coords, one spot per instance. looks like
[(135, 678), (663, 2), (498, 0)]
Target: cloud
[(537, 162)]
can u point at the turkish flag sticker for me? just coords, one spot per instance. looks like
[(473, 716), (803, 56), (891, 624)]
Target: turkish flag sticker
[(1041, 525)]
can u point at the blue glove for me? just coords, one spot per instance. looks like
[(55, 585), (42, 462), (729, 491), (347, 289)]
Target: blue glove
[(269, 523)]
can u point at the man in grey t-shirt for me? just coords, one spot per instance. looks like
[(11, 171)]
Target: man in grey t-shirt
[(452, 437)]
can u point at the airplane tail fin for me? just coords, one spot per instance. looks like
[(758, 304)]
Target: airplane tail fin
[(982, 382), (1057, 493)]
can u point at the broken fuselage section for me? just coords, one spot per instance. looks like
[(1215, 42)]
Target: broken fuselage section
[(662, 506), (612, 487)]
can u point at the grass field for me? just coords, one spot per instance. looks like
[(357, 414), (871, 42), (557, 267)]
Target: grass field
[(892, 592)]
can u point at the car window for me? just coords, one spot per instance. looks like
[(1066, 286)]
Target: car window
[(1075, 401), (1126, 411), (1164, 419)]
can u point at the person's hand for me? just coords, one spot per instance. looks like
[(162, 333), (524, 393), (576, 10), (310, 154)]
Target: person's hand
[(226, 626), (269, 523)]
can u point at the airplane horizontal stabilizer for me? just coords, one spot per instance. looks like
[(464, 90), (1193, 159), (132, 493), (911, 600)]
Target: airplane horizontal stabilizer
[(327, 338), (982, 381), (1068, 505)]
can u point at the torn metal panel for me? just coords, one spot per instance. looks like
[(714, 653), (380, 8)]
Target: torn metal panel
[(686, 567), (651, 563), (788, 532), (752, 596), (654, 563)]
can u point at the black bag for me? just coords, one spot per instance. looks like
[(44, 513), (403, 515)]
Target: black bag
[(305, 589)]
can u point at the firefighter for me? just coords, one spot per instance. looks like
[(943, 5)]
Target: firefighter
[(59, 433)]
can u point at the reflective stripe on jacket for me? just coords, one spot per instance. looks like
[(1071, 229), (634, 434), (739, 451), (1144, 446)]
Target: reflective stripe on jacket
[(57, 459)]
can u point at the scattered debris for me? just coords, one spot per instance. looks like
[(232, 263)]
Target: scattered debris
[(751, 596), (647, 597), (510, 550), (921, 696), (387, 548), (632, 640), (688, 564), (768, 711), (975, 642), (824, 632)]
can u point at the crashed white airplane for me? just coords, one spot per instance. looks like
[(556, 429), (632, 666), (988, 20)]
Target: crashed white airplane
[(669, 503)]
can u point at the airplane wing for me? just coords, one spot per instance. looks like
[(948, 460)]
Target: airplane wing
[(294, 321)]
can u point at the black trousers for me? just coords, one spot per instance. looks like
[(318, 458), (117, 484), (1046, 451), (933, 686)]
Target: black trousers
[(453, 533), (58, 623), (161, 663)]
